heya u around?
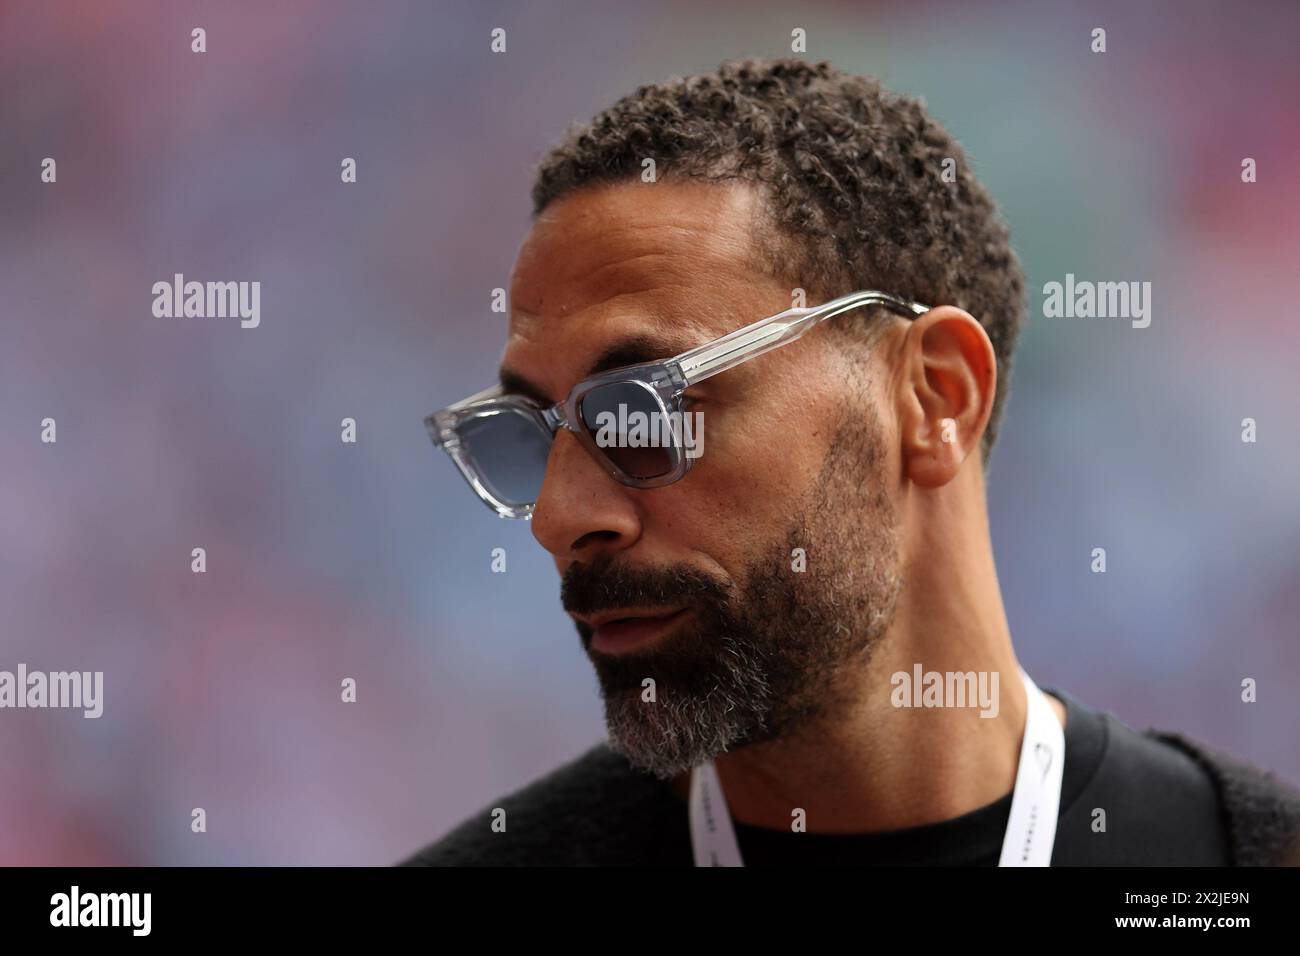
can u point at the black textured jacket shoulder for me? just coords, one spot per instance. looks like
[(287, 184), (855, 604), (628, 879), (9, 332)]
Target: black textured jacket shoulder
[(598, 810)]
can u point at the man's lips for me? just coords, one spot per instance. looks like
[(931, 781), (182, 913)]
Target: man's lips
[(623, 631)]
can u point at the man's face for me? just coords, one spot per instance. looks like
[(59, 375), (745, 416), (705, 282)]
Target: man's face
[(744, 637)]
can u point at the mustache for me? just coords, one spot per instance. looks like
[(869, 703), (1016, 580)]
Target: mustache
[(604, 584)]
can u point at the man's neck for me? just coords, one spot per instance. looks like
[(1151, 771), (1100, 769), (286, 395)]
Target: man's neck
[(923, 767), (880, 761)]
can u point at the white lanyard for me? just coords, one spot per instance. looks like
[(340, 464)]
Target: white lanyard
[(1035, 802)]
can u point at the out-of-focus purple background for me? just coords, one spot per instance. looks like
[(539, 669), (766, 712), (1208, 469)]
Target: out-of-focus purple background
[(328, 560)]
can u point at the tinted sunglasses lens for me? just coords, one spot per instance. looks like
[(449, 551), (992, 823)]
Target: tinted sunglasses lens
[(509, 451), (630, 427)]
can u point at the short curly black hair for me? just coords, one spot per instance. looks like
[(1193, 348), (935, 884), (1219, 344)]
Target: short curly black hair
[(863, 188)]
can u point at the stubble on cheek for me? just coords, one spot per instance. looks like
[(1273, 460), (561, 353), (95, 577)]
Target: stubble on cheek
[(786, 645)]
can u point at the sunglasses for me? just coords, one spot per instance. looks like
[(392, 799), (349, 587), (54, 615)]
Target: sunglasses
[(501, 441)]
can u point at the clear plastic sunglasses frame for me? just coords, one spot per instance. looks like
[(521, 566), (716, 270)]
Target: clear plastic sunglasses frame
[(666, 380)]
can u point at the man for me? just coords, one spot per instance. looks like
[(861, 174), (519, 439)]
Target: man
[(799, 634)]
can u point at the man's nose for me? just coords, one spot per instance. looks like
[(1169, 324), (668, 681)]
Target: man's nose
[(581, 510)]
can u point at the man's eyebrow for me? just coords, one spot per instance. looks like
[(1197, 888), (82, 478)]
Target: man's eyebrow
[(630, 351), (512, 383)]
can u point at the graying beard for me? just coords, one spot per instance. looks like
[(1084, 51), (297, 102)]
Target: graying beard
[(681, 731), (676, 733)]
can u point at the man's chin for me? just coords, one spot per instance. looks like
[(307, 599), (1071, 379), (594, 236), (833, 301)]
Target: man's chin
[(667, 739)]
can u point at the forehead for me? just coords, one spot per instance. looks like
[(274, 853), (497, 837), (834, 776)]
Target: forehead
[(669, 264)]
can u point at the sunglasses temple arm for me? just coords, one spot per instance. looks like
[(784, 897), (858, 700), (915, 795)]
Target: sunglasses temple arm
[(744, 344), (770, 333)]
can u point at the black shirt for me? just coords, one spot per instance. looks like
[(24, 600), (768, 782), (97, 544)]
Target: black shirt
[(1161, 807)]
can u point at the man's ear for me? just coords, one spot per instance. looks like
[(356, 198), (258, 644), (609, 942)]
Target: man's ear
[(946, 384)]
